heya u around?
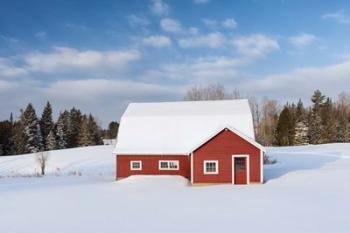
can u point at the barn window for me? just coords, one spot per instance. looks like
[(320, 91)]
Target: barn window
[(168, 165), (136, 165), (211, 167)]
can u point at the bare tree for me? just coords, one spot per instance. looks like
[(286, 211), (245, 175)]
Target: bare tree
[(210, 92), (41, 158), (268, 122)]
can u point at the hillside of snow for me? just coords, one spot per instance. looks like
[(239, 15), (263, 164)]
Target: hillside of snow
[(307, 190)]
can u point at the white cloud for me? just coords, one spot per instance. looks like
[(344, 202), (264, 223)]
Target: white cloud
[(74, 26), (135, 20), (211, 40), (256, 45), (339, 17), (41, 35), (201, 1), (210, 23), (9, 69), (9, 39), (64, 58), (229, 23), (301, 82), (157, 41), (302, 40), (159, 8), (170, 25)]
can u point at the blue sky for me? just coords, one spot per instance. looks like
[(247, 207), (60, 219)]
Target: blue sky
[(101, 55)]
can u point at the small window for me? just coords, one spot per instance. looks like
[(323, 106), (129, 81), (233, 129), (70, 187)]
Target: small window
[(240, 164), (211, 167), (136, 165), (168, 165)]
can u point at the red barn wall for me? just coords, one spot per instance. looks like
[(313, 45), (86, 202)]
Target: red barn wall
[(150, 165), (221, 148)]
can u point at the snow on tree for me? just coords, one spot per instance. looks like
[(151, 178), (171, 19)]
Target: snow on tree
[(32, 133), (61, 132), (301, 133), (85, 136), (46, 123), (301, 128), (315, 120), (50, 141)]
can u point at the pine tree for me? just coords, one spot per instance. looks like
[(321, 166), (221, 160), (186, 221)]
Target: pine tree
[(50, 141), (32, 133), (62, 131), (18, 135), (85, 136), (301, 133), (46, 123), (75, 121), (329, 132), (301, 126), (112, 130), (284, 128), (315, 120), (95, 131)]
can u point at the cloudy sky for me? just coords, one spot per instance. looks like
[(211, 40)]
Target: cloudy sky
[(99, 56)]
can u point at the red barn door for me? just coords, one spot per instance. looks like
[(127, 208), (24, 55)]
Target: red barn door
[(240, 170)]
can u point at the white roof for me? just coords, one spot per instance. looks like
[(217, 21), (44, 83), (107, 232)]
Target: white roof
[(177, 127)]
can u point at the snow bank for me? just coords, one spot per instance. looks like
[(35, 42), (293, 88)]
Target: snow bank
[(93, 160), (306, 191)]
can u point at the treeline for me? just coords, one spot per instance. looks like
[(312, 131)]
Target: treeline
[(30, 134), (324, 121)]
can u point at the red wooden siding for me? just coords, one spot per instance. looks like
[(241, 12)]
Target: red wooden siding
[(150, 165), (221, 148)]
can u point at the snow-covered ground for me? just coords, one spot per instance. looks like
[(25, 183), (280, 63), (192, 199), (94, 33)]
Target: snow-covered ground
[(308, 190)]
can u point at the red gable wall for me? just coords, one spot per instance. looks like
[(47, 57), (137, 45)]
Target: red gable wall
[(221, 148)]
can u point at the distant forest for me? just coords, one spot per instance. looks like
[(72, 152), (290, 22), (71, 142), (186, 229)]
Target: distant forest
[(31, 134), (324, 121)]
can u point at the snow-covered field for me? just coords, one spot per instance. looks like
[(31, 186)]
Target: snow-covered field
[(308, 190)]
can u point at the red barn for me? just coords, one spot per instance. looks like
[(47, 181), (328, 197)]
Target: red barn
[(204, 141)]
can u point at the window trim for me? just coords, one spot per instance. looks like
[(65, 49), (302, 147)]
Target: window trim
[(168, 169), (135, 169), (216, 165)]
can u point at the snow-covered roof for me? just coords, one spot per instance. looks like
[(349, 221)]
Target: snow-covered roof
[(177, 127)]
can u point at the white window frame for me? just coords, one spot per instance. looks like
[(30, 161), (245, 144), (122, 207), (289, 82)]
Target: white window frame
[(135, 169), (216, 165), (168, 168)]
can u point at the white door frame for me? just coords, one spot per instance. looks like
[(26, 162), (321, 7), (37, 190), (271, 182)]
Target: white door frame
[(247, 169)]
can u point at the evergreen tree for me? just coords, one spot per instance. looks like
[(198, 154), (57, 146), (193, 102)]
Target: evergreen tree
[(95, 131), (284, 128), (6, 145), (301, 127), (112, 130), (51, 141), (75, 121), (329, 132), (301, 133), (85, 136), (46, 123), (18, 135), (32, 133), (315, 120), (62, 131)]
